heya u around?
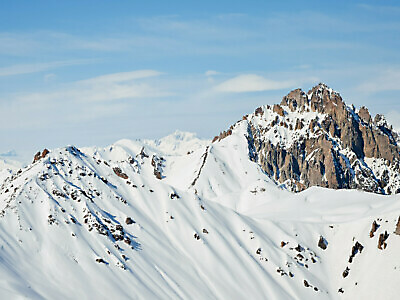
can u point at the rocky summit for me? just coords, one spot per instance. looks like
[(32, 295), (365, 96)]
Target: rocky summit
[(316, 139)]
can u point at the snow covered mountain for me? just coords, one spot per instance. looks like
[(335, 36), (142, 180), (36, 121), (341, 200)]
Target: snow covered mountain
[(191, 219)]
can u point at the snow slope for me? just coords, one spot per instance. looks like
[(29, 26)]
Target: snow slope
[(7, 167), (183, 218)]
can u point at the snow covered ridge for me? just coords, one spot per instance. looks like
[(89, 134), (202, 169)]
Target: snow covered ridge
[(191, 219), (128, 222), (315, 139)]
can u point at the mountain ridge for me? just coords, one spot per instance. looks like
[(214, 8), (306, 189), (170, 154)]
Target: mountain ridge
[(141, 219)]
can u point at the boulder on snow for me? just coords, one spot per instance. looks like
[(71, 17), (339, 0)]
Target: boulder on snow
[(129, 221), (346, 272), (119, 173), (101, 261), (322, 243)]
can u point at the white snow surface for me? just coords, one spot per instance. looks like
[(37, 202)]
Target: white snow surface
[(211, 228)]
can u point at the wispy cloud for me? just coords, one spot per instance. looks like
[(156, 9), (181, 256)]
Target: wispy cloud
[(211, 73), (256, 83), (106, 88), (49, 77), (121, 77), (388, 9), (40, 67), (382, 80), (83, 102)]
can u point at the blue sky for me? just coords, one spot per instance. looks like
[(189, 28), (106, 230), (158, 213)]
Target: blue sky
[(92, 72)]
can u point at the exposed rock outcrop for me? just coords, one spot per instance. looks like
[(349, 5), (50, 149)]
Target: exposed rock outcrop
[(397, 230), (357, 248), (157, 163), (39, 155), (119, 173), (382, 240), (374, 227)]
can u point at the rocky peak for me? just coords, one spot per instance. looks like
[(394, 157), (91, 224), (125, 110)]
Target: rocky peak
[(315, 139), (363, 113), (296, 100), (320, 98), (324, 99)]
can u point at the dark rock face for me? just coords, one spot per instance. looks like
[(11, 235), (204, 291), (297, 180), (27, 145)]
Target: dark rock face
[(330, 144), (357, 248), (397, 230), (374, 227), (382, 240)]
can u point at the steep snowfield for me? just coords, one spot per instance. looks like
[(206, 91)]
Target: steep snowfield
[(205, 223)]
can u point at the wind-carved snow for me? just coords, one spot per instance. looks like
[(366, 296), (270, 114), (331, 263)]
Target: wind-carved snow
[(101, 222)]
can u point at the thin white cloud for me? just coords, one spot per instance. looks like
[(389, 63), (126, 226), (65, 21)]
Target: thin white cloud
[(387, 80), (252, 83), (121, 77), (105, 88), (49, 77), (40, 67), (388, 9), (211, 73)]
